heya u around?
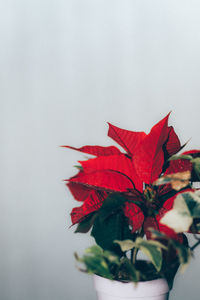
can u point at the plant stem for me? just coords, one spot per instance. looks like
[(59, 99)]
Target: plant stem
[(132, 255), (195, 245), (135, 251)]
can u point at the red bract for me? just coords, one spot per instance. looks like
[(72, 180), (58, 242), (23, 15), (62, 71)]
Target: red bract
[(129, 140), (92, 200), (193, 153), (96, 150), (144, 160), (91, 203), (179, 165)]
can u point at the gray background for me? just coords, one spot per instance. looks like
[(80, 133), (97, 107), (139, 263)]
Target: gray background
[(67, 67)]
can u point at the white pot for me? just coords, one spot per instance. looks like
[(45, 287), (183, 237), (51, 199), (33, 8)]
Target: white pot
[(115, 290)]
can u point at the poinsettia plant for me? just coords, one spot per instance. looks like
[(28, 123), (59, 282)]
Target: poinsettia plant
[(140, 197)]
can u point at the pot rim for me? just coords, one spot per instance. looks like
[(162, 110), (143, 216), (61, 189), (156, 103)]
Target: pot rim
[(142, 288)]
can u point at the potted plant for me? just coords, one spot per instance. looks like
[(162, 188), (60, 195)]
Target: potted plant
[(140, 198)]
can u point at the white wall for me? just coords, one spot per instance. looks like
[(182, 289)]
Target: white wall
[(67, 67)]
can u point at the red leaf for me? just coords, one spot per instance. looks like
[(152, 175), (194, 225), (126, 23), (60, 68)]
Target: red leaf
[(129, 140), (92, 203), (149, 157), (105, 180), (179, 165), (96, 150), (134, 215), (172, 144), (193, 153), (79, 191), (164, 189), (118, 163)]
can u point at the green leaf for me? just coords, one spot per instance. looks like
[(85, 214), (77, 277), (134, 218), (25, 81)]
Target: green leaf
[(162, 180), (158, 234), (127, 234), (178, 180), (97, 261), (147, 270), (113, 203), (195, 227), (78, 167), (107, 231), (138, 203), (175, 157), (125, 245), (128, 270), (192, 199), (108, 255), (111, 257), (110, 224), (86, 224), (196, 166), (153, 251), (183, 252), (156, 244), (95, 250), (97, 265), (77, 257)]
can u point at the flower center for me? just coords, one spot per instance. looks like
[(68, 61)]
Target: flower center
[(150, 201)]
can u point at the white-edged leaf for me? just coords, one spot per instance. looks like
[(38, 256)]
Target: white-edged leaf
[(179, 217), (96, 250), (175, 157), (196, 165), (152, 250), (178, 180), (186, 208), (125, 245), (184, 254)]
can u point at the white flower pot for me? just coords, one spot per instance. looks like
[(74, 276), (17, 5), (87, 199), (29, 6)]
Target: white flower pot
[(115, 290)]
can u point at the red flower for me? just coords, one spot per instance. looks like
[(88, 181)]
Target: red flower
[(144, 160)]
